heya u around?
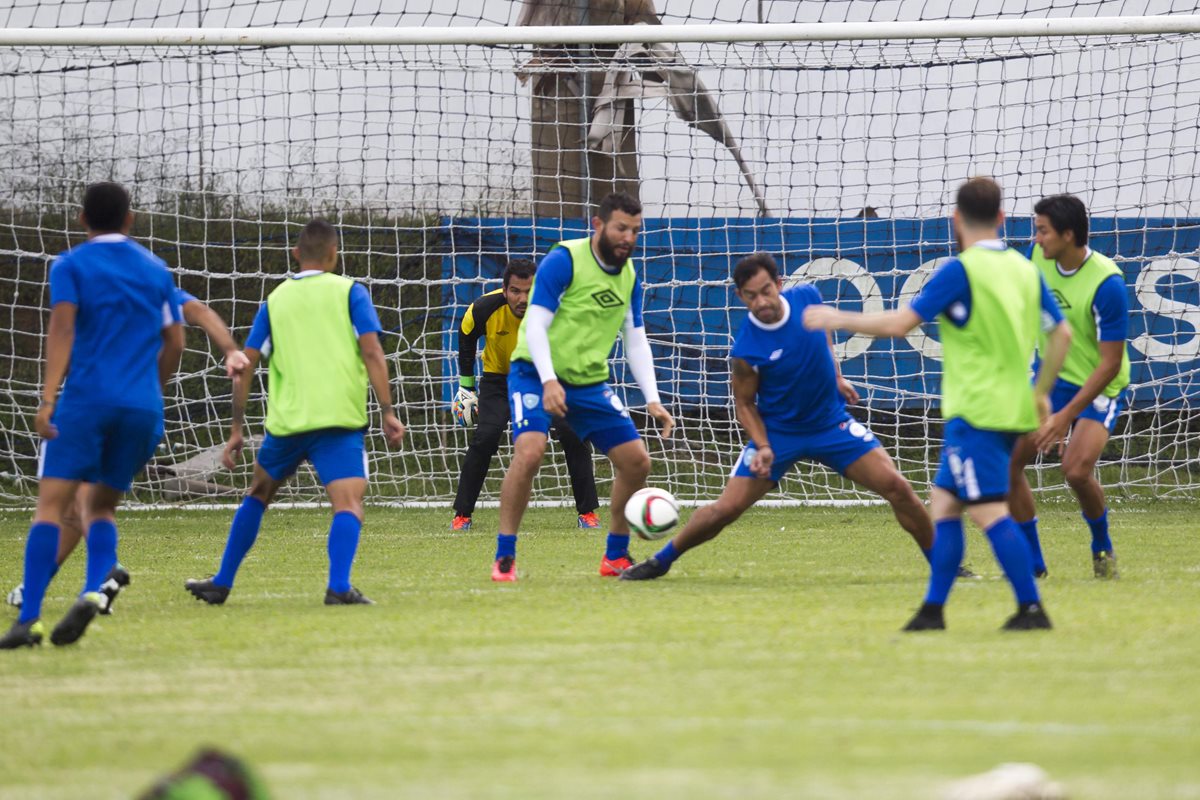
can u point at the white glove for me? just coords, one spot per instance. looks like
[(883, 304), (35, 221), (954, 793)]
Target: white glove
[(464, 405)]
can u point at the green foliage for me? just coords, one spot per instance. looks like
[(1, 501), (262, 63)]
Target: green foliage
[(767, 664)]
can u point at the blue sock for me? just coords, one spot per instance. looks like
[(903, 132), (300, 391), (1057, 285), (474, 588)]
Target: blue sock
[(1012, 551), (343, 544), (101, 553), (617, 545), (667, 555), (242, 533), (1100, 540), (945, 559), (506, 545), (40, 549), (1029, 529), (928, 555)]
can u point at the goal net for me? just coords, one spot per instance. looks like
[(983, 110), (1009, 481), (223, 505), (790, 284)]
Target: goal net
[(440, 162)]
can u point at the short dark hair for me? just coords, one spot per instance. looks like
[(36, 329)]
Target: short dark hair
[(750, 266), (1066, 212), (618, 201), (316, 239), (519, 268), (105, 206), (978, 201)]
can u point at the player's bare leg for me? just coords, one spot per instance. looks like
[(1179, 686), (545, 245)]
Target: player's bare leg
[(100, 514), (631, 467), (528, 451), (1020, 495), (346, 497), (707, 522), (1020, 501), (1088, 439), (72, 528), (876, 471)]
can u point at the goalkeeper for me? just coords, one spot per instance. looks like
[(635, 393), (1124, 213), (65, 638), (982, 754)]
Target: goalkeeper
[(496, 316)]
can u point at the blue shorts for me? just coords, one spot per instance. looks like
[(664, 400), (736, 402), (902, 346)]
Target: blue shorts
[(1104, 410), (596, 413), (100, 444), (335, 453), (837, 447), (975, 462)]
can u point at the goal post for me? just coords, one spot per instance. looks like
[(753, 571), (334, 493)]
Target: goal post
[(834, 146)]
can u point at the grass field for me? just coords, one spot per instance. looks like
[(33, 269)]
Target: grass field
[(766, 665)]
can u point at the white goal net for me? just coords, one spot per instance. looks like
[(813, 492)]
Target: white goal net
[(439, 162)]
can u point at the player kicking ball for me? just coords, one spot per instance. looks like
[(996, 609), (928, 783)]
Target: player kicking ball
[(791, 399), (991, 304), (72, 528), (116, 337), (322, 335), (585, 292)]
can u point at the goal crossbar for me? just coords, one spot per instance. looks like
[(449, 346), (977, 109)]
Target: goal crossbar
[(601, 34)]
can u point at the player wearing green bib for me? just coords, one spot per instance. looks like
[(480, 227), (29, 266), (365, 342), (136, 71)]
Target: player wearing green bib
[(321, 333), (990, 304), (585, 292), (1090, 392)]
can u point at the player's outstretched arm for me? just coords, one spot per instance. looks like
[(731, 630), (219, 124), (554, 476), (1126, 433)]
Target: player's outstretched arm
[(171, 352), (197, 313), (881, 324), (745, 389), (377, 373), (241, 393), (59, 341)]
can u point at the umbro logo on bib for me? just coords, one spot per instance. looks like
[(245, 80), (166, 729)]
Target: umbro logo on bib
[(1058, 298), (606, 298)]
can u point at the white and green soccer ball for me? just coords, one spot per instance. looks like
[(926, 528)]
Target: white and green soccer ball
[(651, 513)]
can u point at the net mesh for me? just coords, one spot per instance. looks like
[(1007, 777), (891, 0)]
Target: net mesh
[(440, 163)]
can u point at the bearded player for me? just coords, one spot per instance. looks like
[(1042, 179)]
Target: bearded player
[(586, 291)]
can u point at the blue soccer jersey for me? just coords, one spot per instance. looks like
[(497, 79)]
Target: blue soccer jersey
[(797, 388), (125, 296)]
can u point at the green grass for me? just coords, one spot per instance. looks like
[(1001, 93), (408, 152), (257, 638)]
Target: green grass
[(766, 665)]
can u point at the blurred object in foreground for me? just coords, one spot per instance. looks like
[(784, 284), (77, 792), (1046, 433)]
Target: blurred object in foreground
[(1007, 782), (211, 775)]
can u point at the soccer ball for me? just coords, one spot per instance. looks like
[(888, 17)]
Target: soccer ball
[(465, 408), (651, 513)]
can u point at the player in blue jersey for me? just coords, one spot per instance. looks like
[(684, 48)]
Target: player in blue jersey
[(791, 400), (71, 528), (116, 337), (991, 304), (321, 333), (1091, 389)]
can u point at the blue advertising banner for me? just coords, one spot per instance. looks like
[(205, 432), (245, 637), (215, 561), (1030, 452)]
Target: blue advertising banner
[(692, 312)]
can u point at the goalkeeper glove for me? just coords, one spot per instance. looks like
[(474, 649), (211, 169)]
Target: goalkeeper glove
[(465, 404)]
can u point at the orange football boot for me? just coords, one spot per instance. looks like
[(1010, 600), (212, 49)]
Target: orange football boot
[(612, 568), (505, 570)]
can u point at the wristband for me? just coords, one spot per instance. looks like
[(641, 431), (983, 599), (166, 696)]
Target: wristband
[(467, 381)]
